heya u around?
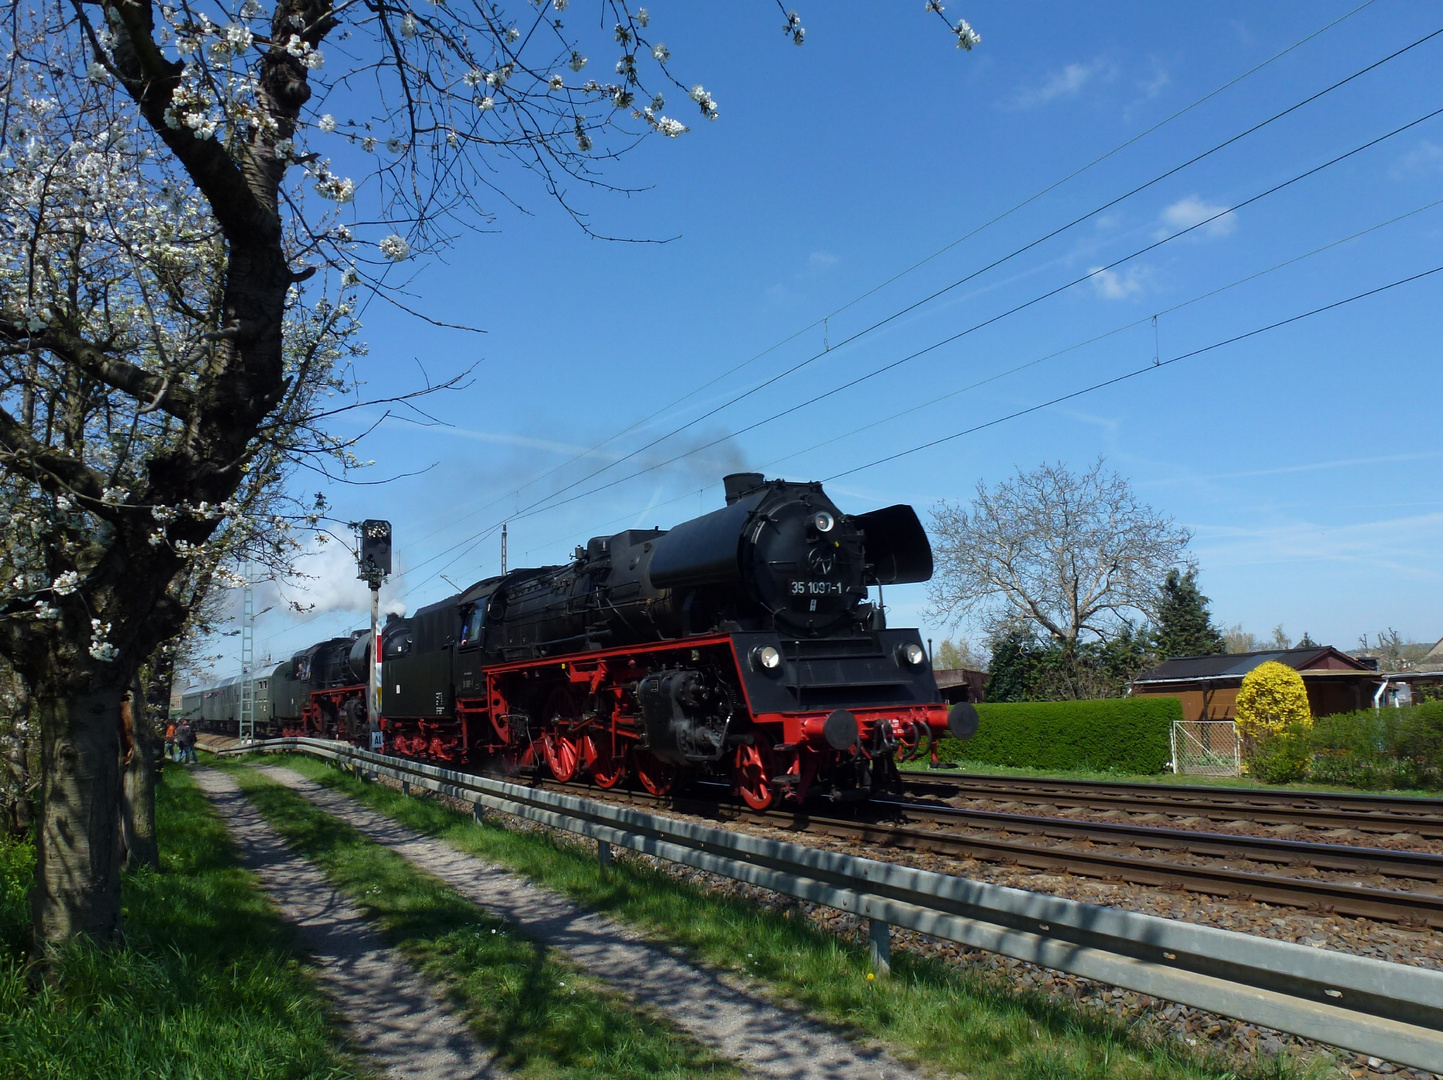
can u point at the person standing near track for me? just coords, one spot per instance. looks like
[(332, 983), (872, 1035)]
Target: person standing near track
[(185, 743), (169, 750)]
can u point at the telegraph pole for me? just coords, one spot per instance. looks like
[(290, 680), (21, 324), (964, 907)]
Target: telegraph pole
[(373, 559), (246, 726), (503, 549)]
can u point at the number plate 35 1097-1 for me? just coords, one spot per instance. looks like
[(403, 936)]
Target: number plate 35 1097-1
[(816, 588)]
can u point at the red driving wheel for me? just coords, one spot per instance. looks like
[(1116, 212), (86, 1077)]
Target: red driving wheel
[(562, 756), (655, 775), (604, 759), (754, 775)]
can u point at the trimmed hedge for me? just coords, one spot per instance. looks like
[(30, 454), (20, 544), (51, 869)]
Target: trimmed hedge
[(1129, 735)]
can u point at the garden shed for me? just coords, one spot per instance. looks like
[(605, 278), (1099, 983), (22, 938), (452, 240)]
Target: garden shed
[(1208, 686)]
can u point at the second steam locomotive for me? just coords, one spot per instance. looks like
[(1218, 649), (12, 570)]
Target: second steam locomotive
[(740, 644)]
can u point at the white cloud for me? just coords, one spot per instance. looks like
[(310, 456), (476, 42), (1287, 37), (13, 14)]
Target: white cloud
[(1423, 159), (1159, 81), (1069, 82), (1192, 210), (1111, 285), (820, 260)]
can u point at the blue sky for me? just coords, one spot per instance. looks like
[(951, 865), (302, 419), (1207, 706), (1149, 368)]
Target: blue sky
[(1306, 460)]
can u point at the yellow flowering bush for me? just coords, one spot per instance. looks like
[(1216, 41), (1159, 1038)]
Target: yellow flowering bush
[(1271, 699)]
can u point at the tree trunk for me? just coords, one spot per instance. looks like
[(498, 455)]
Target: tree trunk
[(21, 815), (77, 872), (137, 818)]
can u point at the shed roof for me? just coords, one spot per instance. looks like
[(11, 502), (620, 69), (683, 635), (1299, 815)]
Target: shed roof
[(1236, 665)]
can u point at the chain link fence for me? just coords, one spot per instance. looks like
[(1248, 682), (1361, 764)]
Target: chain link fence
[(1206, 748)]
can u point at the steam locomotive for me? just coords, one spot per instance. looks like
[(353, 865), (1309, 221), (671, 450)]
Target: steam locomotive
[(740, 644)]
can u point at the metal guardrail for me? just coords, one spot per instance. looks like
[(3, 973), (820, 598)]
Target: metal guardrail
[(1390, 1011)]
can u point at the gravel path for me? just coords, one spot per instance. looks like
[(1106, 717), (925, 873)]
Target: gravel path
[(408, 1033), (746, 1028)]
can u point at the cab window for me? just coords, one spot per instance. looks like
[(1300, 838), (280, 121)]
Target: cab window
[(472, 624)]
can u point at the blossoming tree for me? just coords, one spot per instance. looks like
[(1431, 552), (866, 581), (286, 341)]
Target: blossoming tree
[(192, 191)]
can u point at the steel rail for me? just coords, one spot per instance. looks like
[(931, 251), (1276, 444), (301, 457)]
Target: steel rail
[(1391, 1011), (1313, 809)]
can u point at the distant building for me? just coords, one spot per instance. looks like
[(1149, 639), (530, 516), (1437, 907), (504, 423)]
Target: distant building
[(1208, 686), (961, 684)]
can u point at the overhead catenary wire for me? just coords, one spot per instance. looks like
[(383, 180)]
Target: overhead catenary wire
[(972, 275), (548, 504), (916, 266), (933, 400), (1134, 373), (928, 259)]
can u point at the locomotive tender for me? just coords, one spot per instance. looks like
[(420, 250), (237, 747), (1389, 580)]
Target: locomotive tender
[(739, 644)]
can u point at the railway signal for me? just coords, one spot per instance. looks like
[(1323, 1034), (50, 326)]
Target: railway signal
[(373, 563)]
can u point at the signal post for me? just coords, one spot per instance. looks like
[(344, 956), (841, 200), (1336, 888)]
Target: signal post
[(373, 559)]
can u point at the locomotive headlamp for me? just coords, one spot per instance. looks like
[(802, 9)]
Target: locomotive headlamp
[(912, 654), (823, 522), (766, 658)]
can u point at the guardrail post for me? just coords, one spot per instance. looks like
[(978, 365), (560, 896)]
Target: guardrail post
[(476, 813), (879, 946), (406, 788), (603, 852)]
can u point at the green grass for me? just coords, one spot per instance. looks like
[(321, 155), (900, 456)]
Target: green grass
[(207, 984), (928, 1012), (543, 1017), (984, 769)]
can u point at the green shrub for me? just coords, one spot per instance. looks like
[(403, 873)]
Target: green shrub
[(1281, 758), (1130, 735), (17, 870), (1389, 748)]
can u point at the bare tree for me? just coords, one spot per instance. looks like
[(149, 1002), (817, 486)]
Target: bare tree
[(1068, 554)]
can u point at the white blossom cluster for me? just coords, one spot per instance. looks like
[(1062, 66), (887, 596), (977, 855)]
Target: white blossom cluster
[(100, 648)]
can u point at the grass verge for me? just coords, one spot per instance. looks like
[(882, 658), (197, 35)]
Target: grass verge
[(543, 1018), (929, 1012), (206, 985)]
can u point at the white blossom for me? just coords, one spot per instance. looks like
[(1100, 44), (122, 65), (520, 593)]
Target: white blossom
[(559, 5), (368, 144), (250, 9), (577, 61), (101, 649), (66, 583), (156, 538), (474, 78), (513, 34), (643, 16), (669, 127), (164, 514), (96, 72), (315, 60), (486, 103), (705, 100), (395, 144), (395, 248), (349, 277), (408, 26), (285, 148), (660, 53), (556, 82), (64, 504), (326, 123), (114, 496), (46, 611), (966, 36)]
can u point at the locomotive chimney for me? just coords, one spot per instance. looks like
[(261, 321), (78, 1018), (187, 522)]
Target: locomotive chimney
[(738, 484)]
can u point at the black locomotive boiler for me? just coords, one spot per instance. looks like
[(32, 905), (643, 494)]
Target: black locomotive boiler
[(739, 644)]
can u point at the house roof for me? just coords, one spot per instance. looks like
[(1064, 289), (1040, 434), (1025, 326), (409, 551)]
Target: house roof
[(1314, 658), (1436, 652)]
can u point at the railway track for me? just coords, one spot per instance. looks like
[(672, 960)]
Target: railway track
[(1376, 814), (1273, 871), (1220, 865)]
